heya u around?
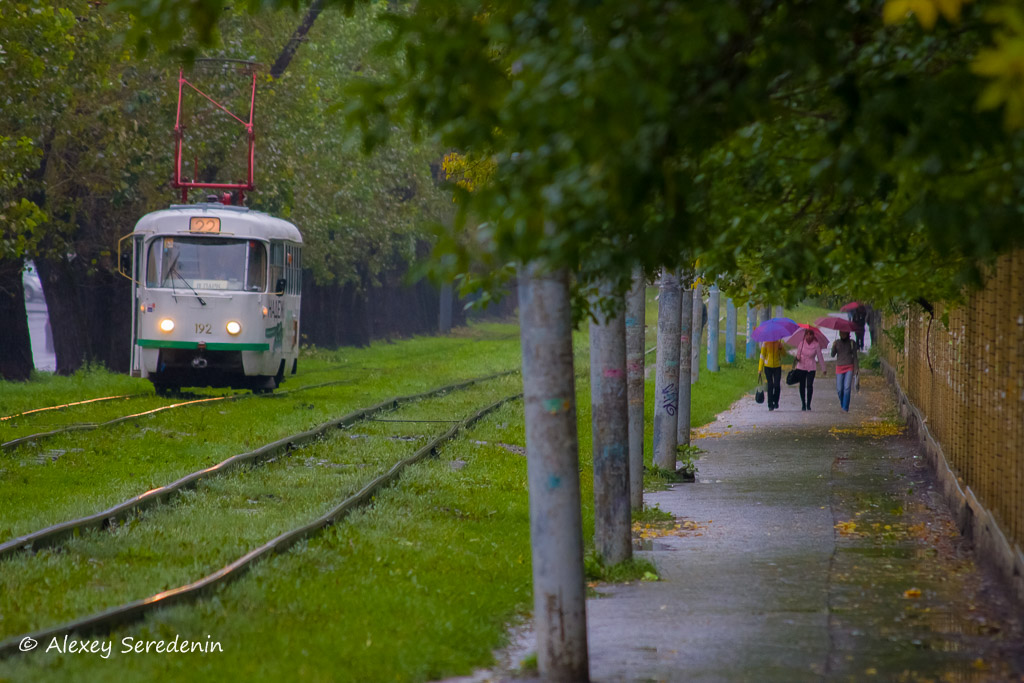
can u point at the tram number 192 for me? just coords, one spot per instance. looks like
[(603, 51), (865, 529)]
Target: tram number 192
[(204, 328)]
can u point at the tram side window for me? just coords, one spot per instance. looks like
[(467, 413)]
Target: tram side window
[(293, 269), (256, 271), (276, 263)]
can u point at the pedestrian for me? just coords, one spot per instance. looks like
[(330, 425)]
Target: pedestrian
[(771, 364), (859, 318), (847, 367), (808, 357)]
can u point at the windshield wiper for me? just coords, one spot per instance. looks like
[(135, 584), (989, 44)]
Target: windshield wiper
[(174, 271)]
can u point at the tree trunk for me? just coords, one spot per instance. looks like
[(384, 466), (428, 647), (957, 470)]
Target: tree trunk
[(698, 332), (730, 331), (556, 534), (609, 406), (685, 351), (635, 326), (15, 342), (714, 298), (298, 37), (67, 312), (751, 324), (666, 382)]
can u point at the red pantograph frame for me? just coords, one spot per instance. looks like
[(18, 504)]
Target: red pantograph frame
[(179, 135)]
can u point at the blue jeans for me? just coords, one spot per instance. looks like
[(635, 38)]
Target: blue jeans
[(844, 383)]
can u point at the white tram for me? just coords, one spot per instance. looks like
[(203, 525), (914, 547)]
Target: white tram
[(216, 293)]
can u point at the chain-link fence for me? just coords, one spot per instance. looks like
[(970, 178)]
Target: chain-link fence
[(963, 368)]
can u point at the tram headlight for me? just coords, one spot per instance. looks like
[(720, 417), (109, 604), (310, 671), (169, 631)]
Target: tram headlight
[(166, 325), (233, 327)]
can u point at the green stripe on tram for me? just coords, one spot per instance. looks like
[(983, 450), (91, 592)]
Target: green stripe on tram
[(210, 346)]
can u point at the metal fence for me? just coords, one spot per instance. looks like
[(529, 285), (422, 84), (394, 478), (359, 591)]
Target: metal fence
[(963, 368)]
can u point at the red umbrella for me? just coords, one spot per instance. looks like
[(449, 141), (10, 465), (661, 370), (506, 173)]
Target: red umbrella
[(850, 306), (794, 339), (837, 324)]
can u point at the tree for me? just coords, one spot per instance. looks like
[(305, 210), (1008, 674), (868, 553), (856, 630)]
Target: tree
[(773, 140)]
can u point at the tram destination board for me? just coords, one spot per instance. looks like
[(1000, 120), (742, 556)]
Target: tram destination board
[(204, 224)]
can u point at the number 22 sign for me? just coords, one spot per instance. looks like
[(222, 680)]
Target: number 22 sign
[(201, 224)]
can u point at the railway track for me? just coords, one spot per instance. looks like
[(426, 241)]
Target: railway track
[(57, 533), (131, 611), (89, 426)]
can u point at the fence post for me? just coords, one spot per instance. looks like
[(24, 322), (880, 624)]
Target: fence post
[(666, 381), (635, 326), (556, 534)]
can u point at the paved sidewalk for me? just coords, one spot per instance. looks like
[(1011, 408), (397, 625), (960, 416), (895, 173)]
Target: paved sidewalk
[(818, 549)]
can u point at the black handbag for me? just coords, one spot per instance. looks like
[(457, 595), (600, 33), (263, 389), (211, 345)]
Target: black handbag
[(794, 376), (759, 394)]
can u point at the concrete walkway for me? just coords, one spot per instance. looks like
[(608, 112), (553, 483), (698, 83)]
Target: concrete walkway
[(812, 547)]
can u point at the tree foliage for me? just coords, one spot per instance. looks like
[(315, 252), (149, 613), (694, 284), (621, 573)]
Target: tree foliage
[(793, 146)]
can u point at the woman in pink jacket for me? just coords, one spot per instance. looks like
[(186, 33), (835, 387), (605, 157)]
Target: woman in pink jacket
[(807, 352)]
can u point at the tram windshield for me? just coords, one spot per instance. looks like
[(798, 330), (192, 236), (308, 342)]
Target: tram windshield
[(207, 263)]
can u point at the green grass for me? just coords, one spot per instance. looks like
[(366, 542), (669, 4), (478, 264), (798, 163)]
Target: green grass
[(419, 586), (633, 569), (79, 473), (220, 520)]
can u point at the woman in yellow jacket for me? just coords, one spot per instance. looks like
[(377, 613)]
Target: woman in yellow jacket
[(771, 364)]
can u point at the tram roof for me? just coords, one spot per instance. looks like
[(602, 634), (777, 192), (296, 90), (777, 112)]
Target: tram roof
[(237, 221)]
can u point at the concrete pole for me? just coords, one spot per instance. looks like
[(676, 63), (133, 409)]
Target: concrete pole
[(556, 534), (609, 412), (666, 381), (714, 299), (730, 331), (751, 324), (635, 326), (685, 345), (698, 332), (779, 312)]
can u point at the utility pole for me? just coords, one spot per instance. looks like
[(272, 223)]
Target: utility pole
[(556, 533), (685, 347), (666, 381), (751, 324), (714, 297), (698, 332), (730, 331), (635, 327), (609, 411), (779, 311)]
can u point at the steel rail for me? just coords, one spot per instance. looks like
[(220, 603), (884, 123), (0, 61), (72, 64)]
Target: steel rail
[(104, 622), (69, 405), (54, 535), (89, 426)]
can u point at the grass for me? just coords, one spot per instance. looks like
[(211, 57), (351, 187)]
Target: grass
[(419, 586), (78, 473), (633, 569)]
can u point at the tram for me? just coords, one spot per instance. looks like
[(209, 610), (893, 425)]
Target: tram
[(217, 291), (216, 286)]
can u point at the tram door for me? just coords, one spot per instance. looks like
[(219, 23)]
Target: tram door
[(136, 276)]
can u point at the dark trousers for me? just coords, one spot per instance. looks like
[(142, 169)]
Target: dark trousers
[(773, 378), (806, 388)]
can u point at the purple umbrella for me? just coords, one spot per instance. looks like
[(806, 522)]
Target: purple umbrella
[(774, 329)]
